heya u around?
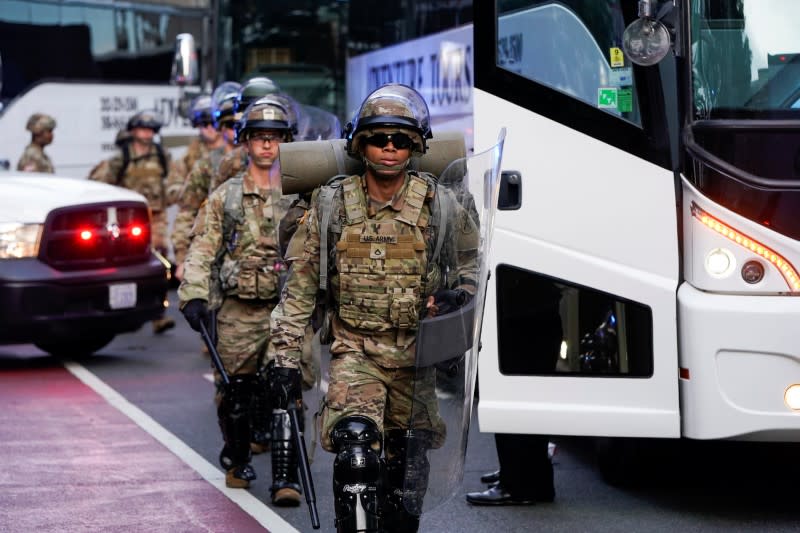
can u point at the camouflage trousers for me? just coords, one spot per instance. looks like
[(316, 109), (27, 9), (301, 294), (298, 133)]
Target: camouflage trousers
[(242, 335), (394, 398)]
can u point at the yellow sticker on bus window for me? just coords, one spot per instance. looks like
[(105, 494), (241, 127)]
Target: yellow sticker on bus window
[(617, 57)]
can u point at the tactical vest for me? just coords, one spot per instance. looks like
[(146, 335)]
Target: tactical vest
[(260, 274), (145, 175), (382, 264)]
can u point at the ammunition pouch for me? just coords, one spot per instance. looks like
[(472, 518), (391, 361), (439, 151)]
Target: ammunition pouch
[(253, 278)]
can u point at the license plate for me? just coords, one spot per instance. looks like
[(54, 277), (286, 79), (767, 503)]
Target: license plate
[(122, 295)]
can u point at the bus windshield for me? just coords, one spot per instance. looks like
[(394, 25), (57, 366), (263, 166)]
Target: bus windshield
[(745, 59)]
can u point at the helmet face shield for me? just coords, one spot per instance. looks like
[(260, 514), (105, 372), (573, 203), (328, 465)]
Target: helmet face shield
[(200, 111), (254, 89), (391, 107), (222, 102)]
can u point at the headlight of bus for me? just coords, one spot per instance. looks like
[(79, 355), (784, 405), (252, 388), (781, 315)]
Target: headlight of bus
[(19, 240)]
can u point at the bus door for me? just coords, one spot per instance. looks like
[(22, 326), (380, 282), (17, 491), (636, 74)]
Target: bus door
[(580, 335)]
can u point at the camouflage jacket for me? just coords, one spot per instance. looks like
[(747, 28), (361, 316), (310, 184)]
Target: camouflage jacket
[(143, 174), (35, 160), (246, 261), (194, 192), (196, 151), (455, 267)]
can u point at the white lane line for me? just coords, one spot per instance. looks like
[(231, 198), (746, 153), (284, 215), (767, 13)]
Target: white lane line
[(249, 503), (209, 377)]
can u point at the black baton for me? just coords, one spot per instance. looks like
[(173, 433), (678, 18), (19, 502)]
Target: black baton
[(305, 468), (212, 350), (212, 326)]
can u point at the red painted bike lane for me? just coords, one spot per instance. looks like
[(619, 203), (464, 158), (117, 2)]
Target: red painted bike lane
[(71, 462)]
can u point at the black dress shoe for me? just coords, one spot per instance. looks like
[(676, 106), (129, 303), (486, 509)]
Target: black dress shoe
[(491, 477), (496, 495)]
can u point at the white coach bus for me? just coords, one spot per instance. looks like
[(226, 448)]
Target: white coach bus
[(644, 264)]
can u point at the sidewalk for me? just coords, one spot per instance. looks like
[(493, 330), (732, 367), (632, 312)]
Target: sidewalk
[(73, 462)]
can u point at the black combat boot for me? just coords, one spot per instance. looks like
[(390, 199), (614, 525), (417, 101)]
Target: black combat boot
[(234, 421)]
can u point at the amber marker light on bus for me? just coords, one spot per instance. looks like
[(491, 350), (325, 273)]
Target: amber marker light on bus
[(786, 269), (792, 397)]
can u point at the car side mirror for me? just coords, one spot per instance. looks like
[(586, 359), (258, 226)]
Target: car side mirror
[(184, 63)]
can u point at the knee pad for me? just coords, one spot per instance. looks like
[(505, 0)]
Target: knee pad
[(357, 474)]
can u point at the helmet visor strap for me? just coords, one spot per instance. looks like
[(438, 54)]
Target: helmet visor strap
[(400, 140)]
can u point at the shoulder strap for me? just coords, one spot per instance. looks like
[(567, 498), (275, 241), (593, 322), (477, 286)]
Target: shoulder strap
[(162, 159), (126, 160), (233, 212), (326, 195)]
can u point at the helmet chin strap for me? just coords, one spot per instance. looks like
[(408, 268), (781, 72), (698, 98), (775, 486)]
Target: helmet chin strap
[(377, 167)]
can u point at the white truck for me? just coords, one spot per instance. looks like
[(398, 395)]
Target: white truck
[(76, 264)]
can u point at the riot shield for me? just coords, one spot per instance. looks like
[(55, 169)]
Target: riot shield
[(447, 344)]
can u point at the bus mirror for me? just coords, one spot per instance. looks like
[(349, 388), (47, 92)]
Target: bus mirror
[(646, 40), (184, 64)]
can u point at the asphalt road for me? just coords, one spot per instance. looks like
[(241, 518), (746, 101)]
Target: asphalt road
[(684, 487)]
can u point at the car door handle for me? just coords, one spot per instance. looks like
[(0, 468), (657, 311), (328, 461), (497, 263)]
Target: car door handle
[(510, 198)]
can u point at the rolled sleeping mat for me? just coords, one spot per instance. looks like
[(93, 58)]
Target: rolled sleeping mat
[(305, 165)]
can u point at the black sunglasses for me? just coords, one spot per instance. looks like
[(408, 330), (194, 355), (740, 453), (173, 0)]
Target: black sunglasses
[(400, 140), (204, 124)]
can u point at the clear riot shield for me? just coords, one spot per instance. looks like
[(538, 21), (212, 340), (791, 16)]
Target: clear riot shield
[(447, 344)]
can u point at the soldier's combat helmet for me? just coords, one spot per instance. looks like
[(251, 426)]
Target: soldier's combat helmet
[(266, 113), (252, 90), (145, 119), (200, 111), (39, 122), (395, 106), (222, 102)]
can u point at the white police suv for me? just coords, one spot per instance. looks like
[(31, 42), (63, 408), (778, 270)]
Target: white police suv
[(76, 264)]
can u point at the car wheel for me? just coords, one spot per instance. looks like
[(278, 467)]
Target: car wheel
[(75, 347)]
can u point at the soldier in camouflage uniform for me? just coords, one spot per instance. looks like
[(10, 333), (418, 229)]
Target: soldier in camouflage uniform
[(235, 249), (33, 158), (233, 161), (383, 277), (197, 185), (207, 139), (236, 160), (143, 166)]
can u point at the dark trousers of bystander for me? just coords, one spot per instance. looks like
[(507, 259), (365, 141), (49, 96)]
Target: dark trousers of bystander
[(526, 471)]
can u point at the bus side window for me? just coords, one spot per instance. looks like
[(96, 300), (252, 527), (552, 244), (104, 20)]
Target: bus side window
[(574, 47), (551, 327)]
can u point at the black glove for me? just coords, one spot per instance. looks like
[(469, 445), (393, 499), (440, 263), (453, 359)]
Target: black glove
[(196, 312), (285, 385), (448, 300)]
